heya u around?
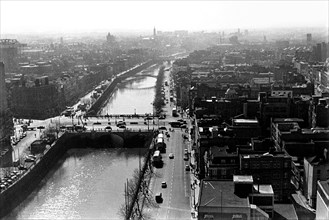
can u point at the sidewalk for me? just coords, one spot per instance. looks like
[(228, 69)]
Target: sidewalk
[(195, 182)]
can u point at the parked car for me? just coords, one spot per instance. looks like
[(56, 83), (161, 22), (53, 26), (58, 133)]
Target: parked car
[(22, 167), (120, 123), (171, 156), (185, 157), (32, 156), (29, 159), (187, 168), (122, 126)]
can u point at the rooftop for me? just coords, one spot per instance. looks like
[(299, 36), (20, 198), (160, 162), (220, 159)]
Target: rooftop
[(220, 193), (263, 189), (242, 179), (325, 186)]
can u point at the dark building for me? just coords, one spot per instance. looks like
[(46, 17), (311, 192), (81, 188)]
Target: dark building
[(320, 52), (269, 169), (309, 39), (10, 51), (37, 102), (6, 122), (222, 165)]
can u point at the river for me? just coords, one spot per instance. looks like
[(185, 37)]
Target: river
[(89, 184), (134, 95), (85, 184)]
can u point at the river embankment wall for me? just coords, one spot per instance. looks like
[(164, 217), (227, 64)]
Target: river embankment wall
[(20, 189)]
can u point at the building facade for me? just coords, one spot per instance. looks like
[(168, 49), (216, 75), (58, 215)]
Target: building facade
[(6, 122)]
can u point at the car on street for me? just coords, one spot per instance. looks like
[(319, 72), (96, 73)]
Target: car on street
[(171, 156), (22, 167), (108, 128), (185, 157), (29, 159), (122, 126), (120, 123), (162, 128), (187, 168), (32, 156), (164, 184), (183, 126)]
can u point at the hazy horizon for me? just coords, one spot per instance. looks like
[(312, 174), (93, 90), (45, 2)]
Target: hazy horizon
[(56, 17)]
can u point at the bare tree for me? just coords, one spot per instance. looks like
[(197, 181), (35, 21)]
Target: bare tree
[(144, 199)]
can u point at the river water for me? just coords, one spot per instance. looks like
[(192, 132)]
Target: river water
[(89, 183), (85, 184), (134, 95)]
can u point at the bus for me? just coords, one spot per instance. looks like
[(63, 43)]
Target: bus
[(160, 145), (174, 112), (156, 156), (159, 140)]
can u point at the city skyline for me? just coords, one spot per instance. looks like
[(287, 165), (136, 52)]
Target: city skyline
[(88, 16)]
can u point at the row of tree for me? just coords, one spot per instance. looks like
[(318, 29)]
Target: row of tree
[(139, 184), (159, 99)]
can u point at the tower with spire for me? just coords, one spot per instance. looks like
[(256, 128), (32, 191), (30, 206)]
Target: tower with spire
[(154, 32)]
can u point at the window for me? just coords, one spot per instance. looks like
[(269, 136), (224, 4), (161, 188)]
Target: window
[(223, 172), (286, 174), (318, 174), (286, 164), (222, 161)]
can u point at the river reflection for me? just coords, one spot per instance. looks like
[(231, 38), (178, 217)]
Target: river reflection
[(135, 94), (85, 184)]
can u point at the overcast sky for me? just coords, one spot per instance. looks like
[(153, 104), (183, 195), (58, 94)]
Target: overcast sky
[(81, 16)]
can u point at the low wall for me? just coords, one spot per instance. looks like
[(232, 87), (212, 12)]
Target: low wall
[(20, 189)]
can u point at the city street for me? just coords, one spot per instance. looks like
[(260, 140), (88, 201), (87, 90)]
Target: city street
[(176, 197)]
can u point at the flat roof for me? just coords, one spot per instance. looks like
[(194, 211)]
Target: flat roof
[(246, 121), (242, 179), (288, 120), (220, 194), (263, 188), (284, 211)]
